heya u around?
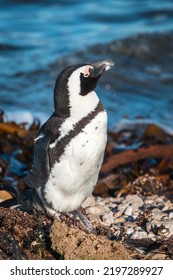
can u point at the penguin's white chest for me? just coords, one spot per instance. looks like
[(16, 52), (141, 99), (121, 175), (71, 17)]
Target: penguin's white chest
[(74, 176)]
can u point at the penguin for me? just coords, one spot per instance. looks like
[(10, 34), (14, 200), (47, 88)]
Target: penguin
[(69, 148)]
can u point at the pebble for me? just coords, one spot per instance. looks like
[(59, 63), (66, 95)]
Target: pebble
[(139, 234), (129, 225), (165, 208), (108, 218), (122, 207), (108, 200), (117, 214), (128, 211), (95, 209), (90, 201), (171, 215), (170, 230), (135, 201), (163, 232), (157, 213), (99, 199), (150, 200), (129, 231), (95, 220), (154, 256), (160, 199), (119, 220), (122, 214), (152, 236), (148, 226), (130, 218), (156, 223)]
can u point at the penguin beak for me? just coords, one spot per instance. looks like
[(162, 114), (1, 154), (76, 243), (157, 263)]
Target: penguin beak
[(100, 67)]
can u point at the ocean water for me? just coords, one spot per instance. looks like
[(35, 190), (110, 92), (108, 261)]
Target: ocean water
[(39, 38)]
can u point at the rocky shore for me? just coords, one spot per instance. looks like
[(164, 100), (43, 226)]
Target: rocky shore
[(131, 207)]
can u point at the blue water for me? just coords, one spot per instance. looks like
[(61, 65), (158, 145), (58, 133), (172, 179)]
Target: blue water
[(37, 36)]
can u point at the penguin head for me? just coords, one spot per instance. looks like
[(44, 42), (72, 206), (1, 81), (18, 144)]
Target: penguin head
[(90, 75), (75, 85)]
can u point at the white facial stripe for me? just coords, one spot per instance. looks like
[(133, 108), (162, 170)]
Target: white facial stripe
[(74, 83), (80, 106)]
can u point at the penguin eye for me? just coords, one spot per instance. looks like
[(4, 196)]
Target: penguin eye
[(86, 71)]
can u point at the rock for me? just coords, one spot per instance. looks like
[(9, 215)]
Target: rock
[(108, 200), (171, 215), (155, 256), (157, 213), (130, 231), (141, 238), (128, 211), (129, 224), (75, 244), (165, 208), (135, 201), (95, 219), (117, 214), (160, 199), (150, 201), (148, 227), (152, 236), (90, 201), (170, 230), (131, 218), (108, 219), (119, 220), (139, 234), (98, 199), (156, 223), (123, 206), (163, 232), (116, 230), (97, 210)]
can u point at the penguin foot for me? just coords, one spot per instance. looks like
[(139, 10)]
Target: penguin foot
[(78, 219), (85, 222)]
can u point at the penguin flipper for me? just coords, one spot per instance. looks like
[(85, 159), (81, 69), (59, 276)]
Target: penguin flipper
[(38, 175)]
